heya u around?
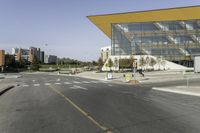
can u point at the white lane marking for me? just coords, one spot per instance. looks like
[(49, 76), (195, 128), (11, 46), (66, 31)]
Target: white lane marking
[(36, 84), (25, 86), (47, 84), (78, 87), (51, 80), (111, 85), (33, 80), (58, 80), (76, 82), (57, 83), (103, 82), (67, 83), (94, 81), (86, 82)]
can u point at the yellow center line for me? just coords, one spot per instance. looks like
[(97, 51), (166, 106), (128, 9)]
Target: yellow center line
[(106, 130)]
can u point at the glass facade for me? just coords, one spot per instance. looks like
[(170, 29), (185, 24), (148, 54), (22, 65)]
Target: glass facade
[(172, 40)]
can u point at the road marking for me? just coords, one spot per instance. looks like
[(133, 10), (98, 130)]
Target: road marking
[(57, 83), (67, 83), (51, 80), (84, 113), (47, 84), (76, 82), (78, 87), (94, 81), (86, 82), (104, 82), (36, 84), (58, 80), (25, 86), (111, 85), (33, 80)]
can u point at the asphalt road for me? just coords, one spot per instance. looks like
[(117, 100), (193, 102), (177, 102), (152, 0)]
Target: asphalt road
[(66, 104)]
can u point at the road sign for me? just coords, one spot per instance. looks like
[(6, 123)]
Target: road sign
[(128, 77), (109, 75)]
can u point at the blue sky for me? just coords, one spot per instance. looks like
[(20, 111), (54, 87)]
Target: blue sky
[(62, 24)]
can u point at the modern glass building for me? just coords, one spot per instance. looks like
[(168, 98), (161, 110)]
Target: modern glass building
[(173, 34)]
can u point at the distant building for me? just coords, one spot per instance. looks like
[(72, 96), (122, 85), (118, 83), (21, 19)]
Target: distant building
[(22, 55), (42, 56), (33, 52), (14, 51), (26, 55), (50, 59), (105, 53), (2, 58), (38, 54)]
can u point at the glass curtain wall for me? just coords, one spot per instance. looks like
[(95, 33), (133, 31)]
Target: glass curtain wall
[(172, 40)]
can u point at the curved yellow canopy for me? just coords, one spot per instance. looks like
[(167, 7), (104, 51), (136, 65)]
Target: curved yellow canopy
[(103, 22)]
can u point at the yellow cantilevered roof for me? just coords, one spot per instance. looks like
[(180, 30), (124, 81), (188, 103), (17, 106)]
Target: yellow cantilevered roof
[(103, 22)]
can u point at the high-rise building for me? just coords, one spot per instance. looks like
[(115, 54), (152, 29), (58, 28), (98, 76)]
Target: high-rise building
[(42, 56), (26, 55), (22, 55), (34, 53), (14, 51), (18, 55), (2, 58)]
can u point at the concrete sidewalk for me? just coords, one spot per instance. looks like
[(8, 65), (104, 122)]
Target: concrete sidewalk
[(99, 76), (190, 90), (150, 77), (10, 76)]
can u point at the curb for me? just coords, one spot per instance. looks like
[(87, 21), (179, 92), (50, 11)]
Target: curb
[(176, 91), (11, 77), (88, 77), (167, 80), (6, 89)]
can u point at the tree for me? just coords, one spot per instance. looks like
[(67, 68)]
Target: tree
[(159, 62), (126, 63), (116, 63), (142, 62), (131, 61), (152, 62), (147, 61), (163, 63), (100, 63), (110, 63), (9, 60), (35, 65), (94, 63)]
